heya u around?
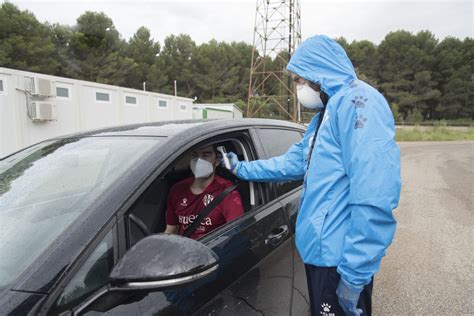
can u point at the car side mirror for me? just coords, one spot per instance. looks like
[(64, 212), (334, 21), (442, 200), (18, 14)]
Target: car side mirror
[(157, 262), (163, 261)]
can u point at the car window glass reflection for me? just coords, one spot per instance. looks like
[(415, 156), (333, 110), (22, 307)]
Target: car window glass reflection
[(276, 142), (42, 193), (92, 275)]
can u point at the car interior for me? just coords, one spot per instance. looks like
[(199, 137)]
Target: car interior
[(147, 215)]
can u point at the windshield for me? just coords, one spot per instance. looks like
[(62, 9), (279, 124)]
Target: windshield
[(44, 188)]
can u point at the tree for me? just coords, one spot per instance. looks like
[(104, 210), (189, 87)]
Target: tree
[(241, 54), (222, 71), (176, 58), (427, 95), (25, 43), (61, 36), (363, 55), (404, 64), (213, 70), (414, 116), (395, 112), (157, 78), (96, 52), (454, 69), (417, 74), (343, 42), (144, 51)]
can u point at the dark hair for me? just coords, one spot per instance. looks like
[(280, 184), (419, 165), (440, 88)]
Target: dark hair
[(324, 97), (317, 87)]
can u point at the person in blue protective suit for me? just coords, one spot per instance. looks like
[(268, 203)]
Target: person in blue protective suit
[(351, 169)]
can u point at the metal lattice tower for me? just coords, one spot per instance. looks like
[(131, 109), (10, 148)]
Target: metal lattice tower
[(277, 34)]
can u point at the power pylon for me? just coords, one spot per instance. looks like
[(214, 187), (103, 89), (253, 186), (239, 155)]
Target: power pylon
[(277, 34)]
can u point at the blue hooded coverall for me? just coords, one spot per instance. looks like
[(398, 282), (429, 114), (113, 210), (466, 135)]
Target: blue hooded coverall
[(352, 183)]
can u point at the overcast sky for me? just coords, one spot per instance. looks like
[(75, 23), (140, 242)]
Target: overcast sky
[(233, 20)]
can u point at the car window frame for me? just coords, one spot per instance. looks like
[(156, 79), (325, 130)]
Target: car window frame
[(265, 155), (262, 188), (247, 137), (70, 272)]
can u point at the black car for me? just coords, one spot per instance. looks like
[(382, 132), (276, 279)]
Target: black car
[(82, 216)]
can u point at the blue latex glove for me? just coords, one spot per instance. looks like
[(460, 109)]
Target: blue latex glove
[(348, 296), (234, 162)]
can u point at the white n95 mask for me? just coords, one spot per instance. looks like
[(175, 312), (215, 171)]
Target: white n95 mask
[(201, 168), (308, 97)]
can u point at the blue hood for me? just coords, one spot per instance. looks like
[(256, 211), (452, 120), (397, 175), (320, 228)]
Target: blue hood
[(322, 60)]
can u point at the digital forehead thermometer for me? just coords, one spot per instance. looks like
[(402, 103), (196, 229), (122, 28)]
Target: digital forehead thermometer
[(222, 150)]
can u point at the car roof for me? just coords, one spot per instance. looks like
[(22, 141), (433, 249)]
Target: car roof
[(171, 128)]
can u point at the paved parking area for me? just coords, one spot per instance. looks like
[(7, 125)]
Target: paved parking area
[(429, 269)]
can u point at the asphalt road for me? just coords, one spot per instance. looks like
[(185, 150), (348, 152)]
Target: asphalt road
[(429, 268)]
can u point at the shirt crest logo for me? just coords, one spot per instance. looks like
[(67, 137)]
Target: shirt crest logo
[(207, 199), (184, 202)]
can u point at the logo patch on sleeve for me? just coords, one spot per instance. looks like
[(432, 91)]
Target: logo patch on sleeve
[(360, 122), (359, 102)]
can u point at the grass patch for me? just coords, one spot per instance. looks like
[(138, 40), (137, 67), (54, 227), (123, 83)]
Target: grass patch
[(437, 133)]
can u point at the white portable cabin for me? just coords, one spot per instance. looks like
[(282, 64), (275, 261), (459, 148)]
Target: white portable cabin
[(35, 107), (216, 110)]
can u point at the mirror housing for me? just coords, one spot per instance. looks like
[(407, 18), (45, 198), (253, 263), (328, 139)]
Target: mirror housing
[(157, 262), (163, 261)]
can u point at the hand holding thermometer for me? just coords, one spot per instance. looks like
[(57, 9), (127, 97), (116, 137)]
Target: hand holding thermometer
[(222, 150)]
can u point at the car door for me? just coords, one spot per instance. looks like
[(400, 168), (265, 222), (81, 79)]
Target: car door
[(277, 141), (265, 282), (255, 261), (255, 258)]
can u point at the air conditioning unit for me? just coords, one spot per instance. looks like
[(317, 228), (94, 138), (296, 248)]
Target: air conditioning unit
[(42, 111), (42, 87)]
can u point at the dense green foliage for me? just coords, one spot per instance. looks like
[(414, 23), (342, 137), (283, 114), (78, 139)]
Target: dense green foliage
[(422, 78)]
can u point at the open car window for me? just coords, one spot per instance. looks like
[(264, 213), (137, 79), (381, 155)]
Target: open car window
[(148, 214)]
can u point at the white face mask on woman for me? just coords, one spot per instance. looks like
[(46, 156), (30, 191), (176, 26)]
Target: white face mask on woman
[(201, 168), (308, 97)]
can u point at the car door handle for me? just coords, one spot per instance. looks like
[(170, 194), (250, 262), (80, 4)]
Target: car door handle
[(277, 236)]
